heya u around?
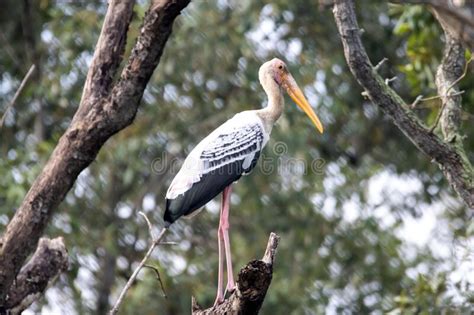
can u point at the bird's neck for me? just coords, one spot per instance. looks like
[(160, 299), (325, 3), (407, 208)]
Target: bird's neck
[(274, 109)]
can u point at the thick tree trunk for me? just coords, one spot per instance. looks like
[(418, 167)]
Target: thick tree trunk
[(105, 109)]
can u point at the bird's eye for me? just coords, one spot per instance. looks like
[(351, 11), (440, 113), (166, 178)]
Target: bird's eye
[(280, 67)]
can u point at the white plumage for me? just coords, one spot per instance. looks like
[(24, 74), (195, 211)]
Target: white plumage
[(229, 152), (239, 138)]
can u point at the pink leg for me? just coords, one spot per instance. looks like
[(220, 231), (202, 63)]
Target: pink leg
[(224, 245), (225, 231), (220, 276)]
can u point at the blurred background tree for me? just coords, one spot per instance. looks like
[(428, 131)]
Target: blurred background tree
[(368, 224)]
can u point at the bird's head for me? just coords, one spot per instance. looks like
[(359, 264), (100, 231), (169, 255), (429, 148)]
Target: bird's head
[(276, 71)]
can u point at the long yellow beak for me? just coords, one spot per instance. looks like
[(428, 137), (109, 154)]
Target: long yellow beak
[(295, 93)]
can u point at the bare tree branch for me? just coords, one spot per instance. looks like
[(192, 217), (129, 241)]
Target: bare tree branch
[(158, 277), (450, 157), (104, 110), (17, 93), (155, 241), (252, 285), (49, 260), (447, 93)]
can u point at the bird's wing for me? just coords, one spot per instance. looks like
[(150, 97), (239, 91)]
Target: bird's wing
[(219, 160), (237, 144), (238, 141)]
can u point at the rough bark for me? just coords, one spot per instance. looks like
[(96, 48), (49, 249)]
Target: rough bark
[(450, 157), (105, 109), (252, 285), (49, 260), (449, 71)]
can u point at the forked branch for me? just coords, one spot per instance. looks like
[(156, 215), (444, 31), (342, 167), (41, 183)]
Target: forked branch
[(106, 107), (155, 241), (449, 156)]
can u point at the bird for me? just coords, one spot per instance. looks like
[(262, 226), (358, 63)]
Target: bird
[(227, 153)]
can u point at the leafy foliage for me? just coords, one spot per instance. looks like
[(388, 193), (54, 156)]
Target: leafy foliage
[(341, 201)]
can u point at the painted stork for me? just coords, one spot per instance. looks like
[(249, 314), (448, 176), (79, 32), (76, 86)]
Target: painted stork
[(230, 151)]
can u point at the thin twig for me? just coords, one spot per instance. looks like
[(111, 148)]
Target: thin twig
[(420, 98), (17, 93), (440, 96), (438, 117), (168, 243), (150, 227), (155, 242), (388, 81), (158, 277), (381, 62), (466, 67), (417, 100)]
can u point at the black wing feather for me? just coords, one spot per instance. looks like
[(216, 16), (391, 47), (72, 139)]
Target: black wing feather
[(223, 172)]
